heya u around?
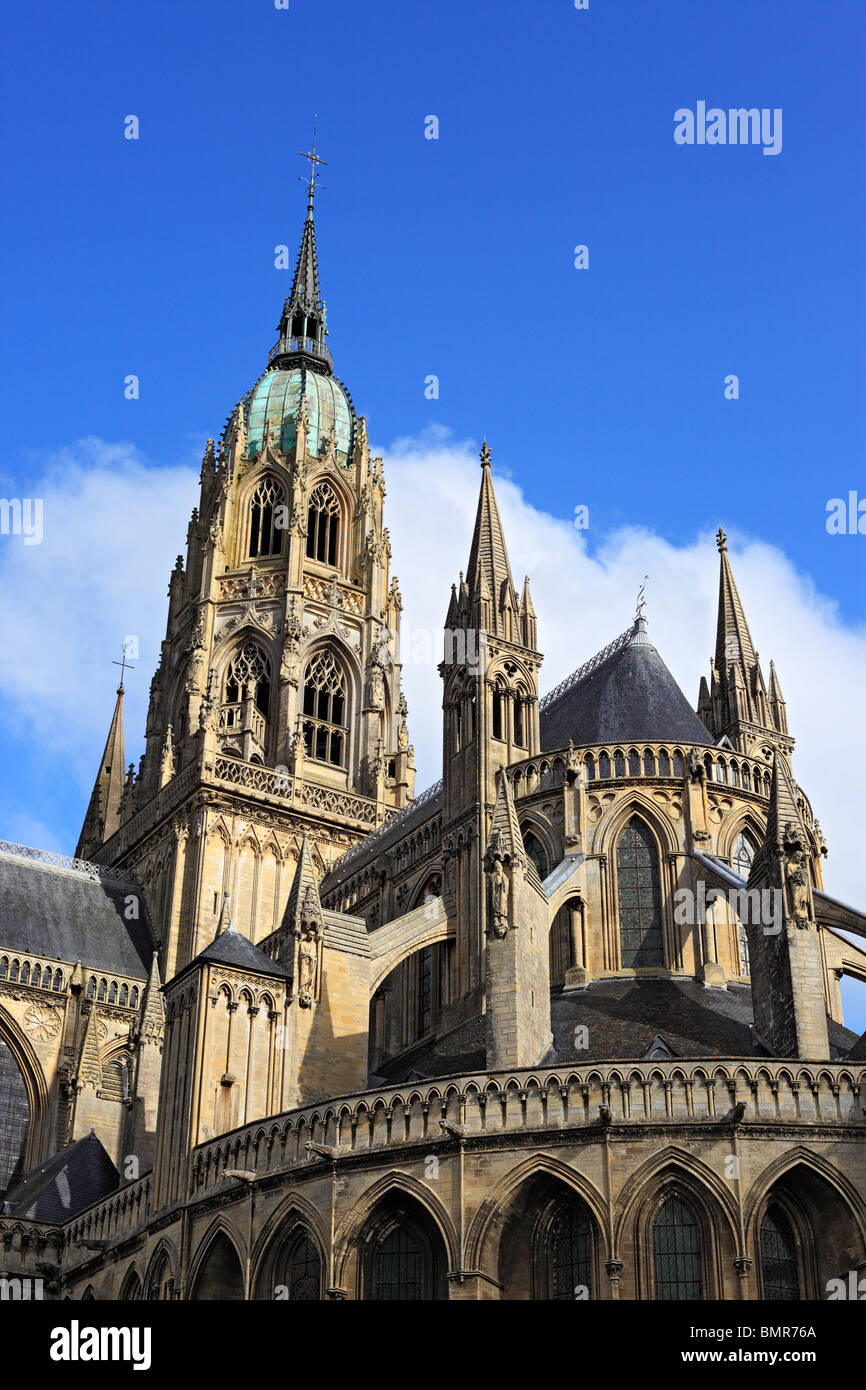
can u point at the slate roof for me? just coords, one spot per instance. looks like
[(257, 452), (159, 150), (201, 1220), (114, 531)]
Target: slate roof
[(623, 1018), (232, 948), (72, 913), (628, 695), (65, 1184)]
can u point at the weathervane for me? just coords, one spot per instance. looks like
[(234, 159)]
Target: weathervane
[(641, 601), (313, 156)]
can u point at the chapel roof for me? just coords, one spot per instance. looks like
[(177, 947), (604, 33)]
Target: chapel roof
[(625, 692), (71, 910)]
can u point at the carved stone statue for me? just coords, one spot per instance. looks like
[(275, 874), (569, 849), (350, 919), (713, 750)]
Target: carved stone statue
[(309, 934), (697, 771), (798, 889), (499, 887)]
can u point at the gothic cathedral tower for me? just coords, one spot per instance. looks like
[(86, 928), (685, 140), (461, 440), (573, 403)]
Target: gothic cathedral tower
[(276, 708)]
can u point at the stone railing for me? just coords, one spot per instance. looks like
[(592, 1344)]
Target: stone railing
[(335, 594), (97, 872), (653, 761), (117, 1216), (564, 1098), (253, 777)]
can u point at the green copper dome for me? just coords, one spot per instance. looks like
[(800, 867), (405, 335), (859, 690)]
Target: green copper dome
[(275, 401)]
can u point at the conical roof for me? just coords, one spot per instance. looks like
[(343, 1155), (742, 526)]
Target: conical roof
[(103, 812), (624, 694)]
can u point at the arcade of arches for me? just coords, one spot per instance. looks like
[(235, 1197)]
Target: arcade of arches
[(546, 1241)]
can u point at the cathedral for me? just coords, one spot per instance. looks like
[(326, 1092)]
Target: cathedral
[(566, 1025)]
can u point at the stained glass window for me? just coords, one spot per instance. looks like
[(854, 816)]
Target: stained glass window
[(779, 1272), (399, 1268), (305, 1275), (14, 1119), (570, 1250), (677, 1252), (640, 919)]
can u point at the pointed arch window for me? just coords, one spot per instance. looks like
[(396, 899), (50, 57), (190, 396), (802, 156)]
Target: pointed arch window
[(267, 519), (676, 1240), (14, 1119), (325, 724), (780, 1274), (743, 854), (305, 1272), (249, 677), (323, 525), (639, 895), (537, 853), (398, 1267), (570, 1253)]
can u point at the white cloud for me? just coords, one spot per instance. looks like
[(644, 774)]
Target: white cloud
[(113, 527), (584, 599)]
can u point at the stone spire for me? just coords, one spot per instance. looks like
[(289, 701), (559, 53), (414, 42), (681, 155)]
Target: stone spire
[(303, 327), (733, 639), (488, 577), (737, 704), (505, 839), (304, 892), (103, 811)]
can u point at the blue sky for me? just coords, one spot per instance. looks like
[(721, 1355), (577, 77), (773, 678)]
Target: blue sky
[(453, 257)]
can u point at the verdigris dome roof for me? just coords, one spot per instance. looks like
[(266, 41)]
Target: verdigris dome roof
[(275, 401)]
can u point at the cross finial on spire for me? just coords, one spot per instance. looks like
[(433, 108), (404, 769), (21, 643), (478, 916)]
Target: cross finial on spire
[(314, 158), (485, 455), (721, 541), (124, 664)]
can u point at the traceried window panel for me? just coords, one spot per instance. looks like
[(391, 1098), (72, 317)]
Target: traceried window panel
[(743, 854), (305, 1272), (325, 719), (398, 1268), (779, 1270), (14, 1119), (570, 1253), (323, 525), (639, 895), (677, 1265), (537, 853), (249, 674), (267, 519)]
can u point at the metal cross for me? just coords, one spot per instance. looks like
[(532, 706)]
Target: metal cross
[(124, 665), (313, 157)]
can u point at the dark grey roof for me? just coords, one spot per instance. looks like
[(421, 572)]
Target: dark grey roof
[(232, 948), (72, 913), (623, 1018), (65, 1184), (627, 695)]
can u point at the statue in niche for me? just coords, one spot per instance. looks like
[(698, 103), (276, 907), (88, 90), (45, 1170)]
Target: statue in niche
[(499, 887), (309, 933), (697, 771)]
